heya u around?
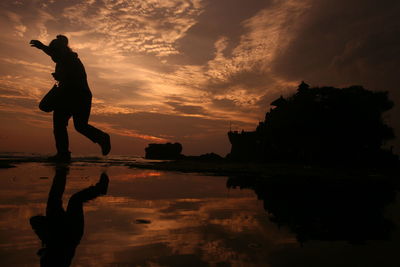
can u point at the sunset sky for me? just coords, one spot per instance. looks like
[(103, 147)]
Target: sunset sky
[(185, 70)]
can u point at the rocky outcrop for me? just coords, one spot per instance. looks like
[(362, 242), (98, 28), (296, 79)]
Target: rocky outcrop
[(163, 151), (320, 124)]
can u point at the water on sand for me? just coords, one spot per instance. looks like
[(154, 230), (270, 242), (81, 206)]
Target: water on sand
[(155, 218)]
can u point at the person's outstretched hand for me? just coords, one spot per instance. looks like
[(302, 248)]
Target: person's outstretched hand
[(36, 43)]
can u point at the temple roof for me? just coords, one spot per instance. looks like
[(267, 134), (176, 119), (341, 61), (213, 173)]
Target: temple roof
[(278, 102)]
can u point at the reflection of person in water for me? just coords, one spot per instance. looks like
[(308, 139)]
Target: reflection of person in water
[(61, 230), (73, 98)]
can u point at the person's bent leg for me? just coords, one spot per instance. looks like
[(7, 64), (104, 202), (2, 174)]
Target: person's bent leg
[(75, 206), (81, 119)]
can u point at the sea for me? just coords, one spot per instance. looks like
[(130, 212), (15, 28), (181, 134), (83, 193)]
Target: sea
[(148, 217)]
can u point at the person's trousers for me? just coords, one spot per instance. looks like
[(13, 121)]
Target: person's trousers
[(80, 116)]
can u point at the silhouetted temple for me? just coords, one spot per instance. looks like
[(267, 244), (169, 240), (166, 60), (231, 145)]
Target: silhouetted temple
[(321, 124)]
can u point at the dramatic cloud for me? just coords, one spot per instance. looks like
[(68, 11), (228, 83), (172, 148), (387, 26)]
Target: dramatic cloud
[(193, 61)]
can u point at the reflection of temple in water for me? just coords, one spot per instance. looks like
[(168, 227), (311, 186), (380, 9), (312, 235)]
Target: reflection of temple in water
[(316, 209)]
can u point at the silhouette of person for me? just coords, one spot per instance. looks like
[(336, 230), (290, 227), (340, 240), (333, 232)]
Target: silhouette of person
[(61, 230), (73, 98)]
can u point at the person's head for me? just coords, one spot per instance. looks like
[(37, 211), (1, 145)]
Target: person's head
[(60, 45)]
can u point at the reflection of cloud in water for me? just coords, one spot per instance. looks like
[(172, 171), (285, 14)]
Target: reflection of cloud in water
[(214, 229), (195, 221)]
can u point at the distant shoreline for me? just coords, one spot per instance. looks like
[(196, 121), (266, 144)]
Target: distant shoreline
[(230, 168)]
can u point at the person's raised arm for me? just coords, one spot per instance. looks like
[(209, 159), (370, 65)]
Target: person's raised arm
[(39, 45)]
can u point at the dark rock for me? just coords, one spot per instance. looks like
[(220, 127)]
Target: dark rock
[(142, 221), (163, 151), (5, 165), (204, 157)]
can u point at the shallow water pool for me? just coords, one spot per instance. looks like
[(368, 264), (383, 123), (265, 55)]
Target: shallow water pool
[(156, 218)]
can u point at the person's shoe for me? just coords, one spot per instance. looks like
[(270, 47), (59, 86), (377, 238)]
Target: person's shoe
[(102, 185), (60, 157), (105, 144)]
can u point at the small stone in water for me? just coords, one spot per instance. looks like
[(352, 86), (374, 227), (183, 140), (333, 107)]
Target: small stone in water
[(142, 221)]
